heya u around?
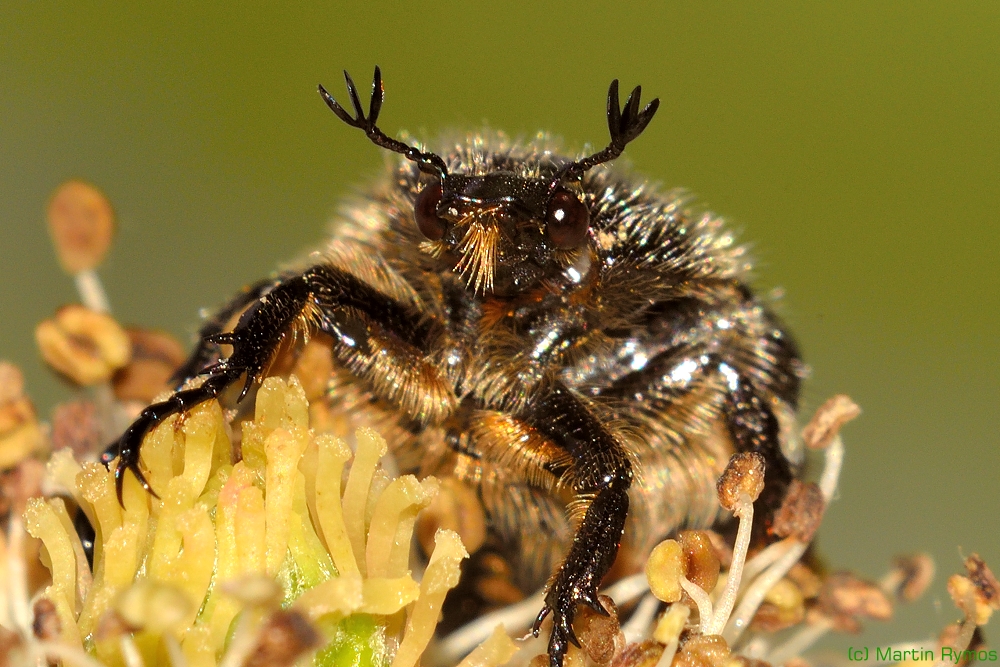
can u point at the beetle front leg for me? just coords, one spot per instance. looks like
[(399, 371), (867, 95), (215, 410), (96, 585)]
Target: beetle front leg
[(254, 341), (205, 350), (600, 475), (308, 299)]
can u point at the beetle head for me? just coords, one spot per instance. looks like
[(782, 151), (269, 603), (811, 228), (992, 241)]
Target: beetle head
[(500, 231)]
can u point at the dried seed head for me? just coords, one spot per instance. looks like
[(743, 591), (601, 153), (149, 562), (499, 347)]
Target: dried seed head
[(83, 345), (743, 474), (641, 654), (826, 423), (664, 568), (845, 597), (11, 382), (456, 508), (987, 586), (701, 562), (75, 426), (801, 512), (46, 625), (284, 636), (911, 575), (155, 357), (20, 435), (81, 223), (844, 624), (978, 594), (703, 651), (809, 582), (600, 636)]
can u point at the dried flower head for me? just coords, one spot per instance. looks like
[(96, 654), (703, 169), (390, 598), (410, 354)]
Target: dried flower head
[(910, 576), (846, 598), (282, 638), (977, 594), (20, 433), (11, 382), (664, 569), (829, 418), (82, 224), (76, 426), (987, 586), (801, 511), (703, 651), (701, 564), (45, 623), (83, 345), (599, 634), (744, 474)]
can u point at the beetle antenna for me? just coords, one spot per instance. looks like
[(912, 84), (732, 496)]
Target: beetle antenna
[(624, 124), (429, 163)]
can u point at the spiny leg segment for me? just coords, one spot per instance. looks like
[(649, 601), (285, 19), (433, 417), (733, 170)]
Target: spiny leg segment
[(214, 325), (600, 475), (317, 296)]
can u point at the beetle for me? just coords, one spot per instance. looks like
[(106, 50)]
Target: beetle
[(579, 348)]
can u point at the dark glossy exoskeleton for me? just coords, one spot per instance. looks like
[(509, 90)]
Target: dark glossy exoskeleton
[(579, 348)]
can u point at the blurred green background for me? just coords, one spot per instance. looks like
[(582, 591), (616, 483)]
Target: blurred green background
[(855, 144)]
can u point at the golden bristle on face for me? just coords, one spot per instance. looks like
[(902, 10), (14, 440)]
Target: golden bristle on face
[(479, 252)]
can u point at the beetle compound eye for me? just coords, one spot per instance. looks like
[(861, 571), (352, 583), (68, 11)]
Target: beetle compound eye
[(425, 212), (567, 219)]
